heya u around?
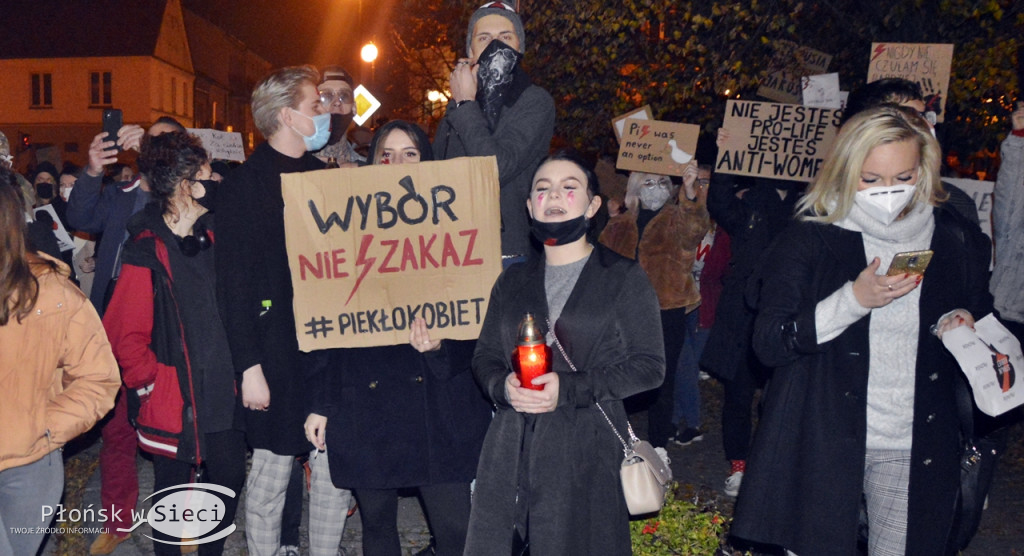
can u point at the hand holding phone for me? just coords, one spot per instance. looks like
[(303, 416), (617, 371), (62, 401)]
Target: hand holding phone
[(113, 119), (910, 262)]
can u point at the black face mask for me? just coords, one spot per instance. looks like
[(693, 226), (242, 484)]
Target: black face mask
[(559, 233), (339, 125), (191, 245), (497, 67), (209, 200), (44, 190)]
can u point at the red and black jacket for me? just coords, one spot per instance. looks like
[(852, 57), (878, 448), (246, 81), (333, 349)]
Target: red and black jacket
[(145, 328)]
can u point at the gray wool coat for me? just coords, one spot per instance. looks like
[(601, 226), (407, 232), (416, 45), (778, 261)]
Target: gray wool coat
[(1007, 284), (610, 328), (519, 142)]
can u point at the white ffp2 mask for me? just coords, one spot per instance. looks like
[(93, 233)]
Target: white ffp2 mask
[(885, 203)]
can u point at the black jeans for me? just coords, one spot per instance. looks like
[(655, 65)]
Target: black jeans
[(447, 513), (737, 413), (224, 465), (659, 416)]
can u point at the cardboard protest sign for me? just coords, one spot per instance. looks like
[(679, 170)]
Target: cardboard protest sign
[(642, 113), (372, 248), (223, 145), (927, 64), (822, 91), (657, 147), (772, 140), (790, 63)]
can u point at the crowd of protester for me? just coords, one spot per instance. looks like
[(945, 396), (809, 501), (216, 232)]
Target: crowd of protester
[(767, 285)]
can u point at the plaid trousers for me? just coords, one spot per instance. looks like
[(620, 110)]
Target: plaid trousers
[(264, 503)]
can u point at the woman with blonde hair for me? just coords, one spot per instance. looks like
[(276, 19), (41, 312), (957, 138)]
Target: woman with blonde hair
[(57, 376), (862, 399)]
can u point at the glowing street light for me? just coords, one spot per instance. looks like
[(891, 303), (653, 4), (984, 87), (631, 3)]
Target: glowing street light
[(434, 95), (369, 52)]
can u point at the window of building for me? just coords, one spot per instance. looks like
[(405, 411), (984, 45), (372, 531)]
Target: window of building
[(100, 88), (42, 90)]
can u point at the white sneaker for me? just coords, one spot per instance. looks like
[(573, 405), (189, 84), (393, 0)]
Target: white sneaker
[(732, 484), (287, 550)]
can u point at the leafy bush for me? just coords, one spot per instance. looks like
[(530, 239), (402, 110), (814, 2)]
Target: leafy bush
[(688, 524)]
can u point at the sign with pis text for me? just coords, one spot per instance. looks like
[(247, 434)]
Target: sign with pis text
[(771, 140), (371, 249), (657, 147), (926, 64), (221, 145), (791, 62)]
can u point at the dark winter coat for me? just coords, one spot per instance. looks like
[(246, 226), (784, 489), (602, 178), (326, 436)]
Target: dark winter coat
[(802, 488), (752, 223), (519, 141), (610, 328), (181, 376), (398, 418), (102, 210), (254, 289)]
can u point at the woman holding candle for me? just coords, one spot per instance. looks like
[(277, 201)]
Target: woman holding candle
[(549, 465)]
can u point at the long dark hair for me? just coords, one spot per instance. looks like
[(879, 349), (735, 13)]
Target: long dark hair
[(412, 130), (19, 288)]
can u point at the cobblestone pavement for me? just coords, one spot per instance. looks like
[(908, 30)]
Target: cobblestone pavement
[(701, 464)]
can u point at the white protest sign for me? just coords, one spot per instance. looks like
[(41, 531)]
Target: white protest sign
[(990, 356), (619, 122), (64, 240), (221, 145), (822, 91)]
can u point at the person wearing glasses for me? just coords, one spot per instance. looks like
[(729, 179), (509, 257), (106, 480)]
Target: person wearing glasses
[(661, 227), (336, 95)]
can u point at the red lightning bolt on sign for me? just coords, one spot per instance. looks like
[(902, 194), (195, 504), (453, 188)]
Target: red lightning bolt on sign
[(364, 262), (878, 51), (646, 129)]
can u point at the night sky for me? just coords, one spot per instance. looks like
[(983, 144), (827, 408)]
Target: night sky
[(289, 32)]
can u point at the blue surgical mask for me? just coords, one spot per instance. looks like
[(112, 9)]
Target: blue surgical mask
[(319, 138)]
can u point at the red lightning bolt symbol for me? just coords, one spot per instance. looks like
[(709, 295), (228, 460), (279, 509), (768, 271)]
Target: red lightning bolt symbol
[(878, 51), (364, 262), (645, 131)]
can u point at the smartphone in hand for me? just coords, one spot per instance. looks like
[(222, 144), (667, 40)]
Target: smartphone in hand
[(910, 262), (112, 122)]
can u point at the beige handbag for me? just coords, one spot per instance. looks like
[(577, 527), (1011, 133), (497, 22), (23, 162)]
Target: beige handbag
[(645, 476)]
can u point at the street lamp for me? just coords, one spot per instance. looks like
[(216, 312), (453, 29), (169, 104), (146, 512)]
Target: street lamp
[(369, 55), (369, 52)]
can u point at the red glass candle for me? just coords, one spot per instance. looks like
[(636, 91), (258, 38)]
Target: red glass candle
[(532, 355)]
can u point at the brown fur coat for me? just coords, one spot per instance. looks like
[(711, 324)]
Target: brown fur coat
[(667, 249)]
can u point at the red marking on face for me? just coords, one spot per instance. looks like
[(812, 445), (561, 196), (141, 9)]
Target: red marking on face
[(540, 196), (571, 197)]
